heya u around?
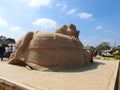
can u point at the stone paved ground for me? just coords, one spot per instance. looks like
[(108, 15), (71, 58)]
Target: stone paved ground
[(100, 75)]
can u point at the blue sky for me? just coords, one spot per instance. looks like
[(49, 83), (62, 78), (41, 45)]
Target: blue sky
[(97, 20)]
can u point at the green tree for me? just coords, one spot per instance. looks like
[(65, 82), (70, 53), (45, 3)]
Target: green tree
[(103, 46), (5, 41)]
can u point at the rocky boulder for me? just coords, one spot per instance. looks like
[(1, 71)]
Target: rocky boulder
[(117, 52), (68, 30), (60, 49)]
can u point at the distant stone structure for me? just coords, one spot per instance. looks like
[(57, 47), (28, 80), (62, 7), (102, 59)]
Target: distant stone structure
[(59, 49)]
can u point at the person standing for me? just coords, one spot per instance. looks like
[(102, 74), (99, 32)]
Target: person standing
[(2, 52), (7, 52), (10, 50)]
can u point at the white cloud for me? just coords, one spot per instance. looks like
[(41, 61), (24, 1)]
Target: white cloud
[(38, 3), (3, 23), (72, 11), (61, 4), (64, 7), (15, 28), (85, 15), (98, 27), (45, 23)]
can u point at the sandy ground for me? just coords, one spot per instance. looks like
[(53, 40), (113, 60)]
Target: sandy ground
[(100, 75), (119, 79)]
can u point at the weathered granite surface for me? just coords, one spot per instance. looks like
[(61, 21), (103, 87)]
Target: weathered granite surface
[(59, 49)]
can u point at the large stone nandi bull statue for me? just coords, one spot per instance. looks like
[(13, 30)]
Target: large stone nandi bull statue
[(59, 49)]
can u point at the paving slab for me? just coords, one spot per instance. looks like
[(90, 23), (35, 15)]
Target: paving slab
[(101, 75)]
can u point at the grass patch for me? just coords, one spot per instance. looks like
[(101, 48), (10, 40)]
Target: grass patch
[(117, 57), (105, 58)]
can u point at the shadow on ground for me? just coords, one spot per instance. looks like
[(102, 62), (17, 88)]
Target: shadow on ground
[(87, 67)]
